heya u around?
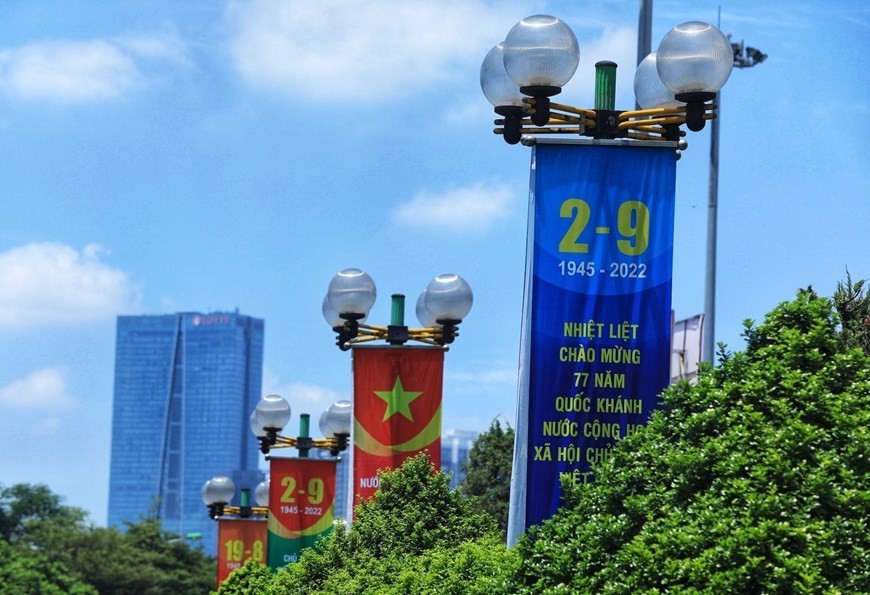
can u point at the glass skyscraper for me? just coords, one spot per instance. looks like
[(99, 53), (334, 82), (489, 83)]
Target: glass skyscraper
[(185, 387), (455, 446)]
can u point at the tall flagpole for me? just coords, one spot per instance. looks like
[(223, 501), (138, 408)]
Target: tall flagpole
[(708, 330), (744, 57), (644, 30)]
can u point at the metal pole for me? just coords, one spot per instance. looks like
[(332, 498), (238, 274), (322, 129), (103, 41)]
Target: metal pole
[(709, 345), (644, 32), (744, 57)]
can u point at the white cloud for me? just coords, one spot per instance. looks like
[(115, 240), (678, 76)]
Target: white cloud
[(68, 70), (46, 283), (166, 46), (361, 51), (88, 70), (475, 207), (45, 388), (618, 45), (303, 397), (507, 376)]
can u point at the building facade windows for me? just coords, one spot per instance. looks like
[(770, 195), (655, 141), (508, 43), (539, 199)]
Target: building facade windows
[(185, 386)]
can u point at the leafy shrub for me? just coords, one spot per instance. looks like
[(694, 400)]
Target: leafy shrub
[(403, 538), (755, 480)]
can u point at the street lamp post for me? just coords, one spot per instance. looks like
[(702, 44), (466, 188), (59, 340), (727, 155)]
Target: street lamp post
[(440, 308), (397, 386), (267, 421), (242, 531), (220, 490), (744, 57), (644, 32), (273, 412), (595, 348), (540, 54), (290, 524), (301, 489)]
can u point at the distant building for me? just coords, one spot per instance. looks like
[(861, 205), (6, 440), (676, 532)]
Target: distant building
[(687, 338), (455, 446), (185, 387), (342, 480)]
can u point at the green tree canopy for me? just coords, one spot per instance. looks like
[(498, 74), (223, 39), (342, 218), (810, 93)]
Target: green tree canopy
[(852, 301), (755, 480), (414, 536), (22, 574), (22, 503), (488, 472), (252, 578), (51, 546)]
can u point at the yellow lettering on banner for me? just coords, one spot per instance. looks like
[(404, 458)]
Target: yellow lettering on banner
[(289, 483), (542, 453), (315, 490), (608, 379), (564, 427), (632, 220), (577, 477), (625, 331), (579, 212), (618, 405), (619, 355), (576, 403), (258, 552), (583, 330), (598, 455), (578, 354), (597, 430)]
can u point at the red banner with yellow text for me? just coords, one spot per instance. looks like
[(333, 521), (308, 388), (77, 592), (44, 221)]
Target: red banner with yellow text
[(301, 506), (239, 540), (397, 410)]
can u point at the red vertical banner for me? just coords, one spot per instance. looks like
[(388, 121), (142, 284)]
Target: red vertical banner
[(239, 540), (397, 410), (301, 506)]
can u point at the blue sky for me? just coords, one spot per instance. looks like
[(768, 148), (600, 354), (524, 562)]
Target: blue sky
[(174, 156)]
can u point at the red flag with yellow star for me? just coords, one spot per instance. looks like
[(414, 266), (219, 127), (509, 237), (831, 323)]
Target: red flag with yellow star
[(397, 410)]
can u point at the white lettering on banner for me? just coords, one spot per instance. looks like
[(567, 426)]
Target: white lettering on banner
[(370, 482)]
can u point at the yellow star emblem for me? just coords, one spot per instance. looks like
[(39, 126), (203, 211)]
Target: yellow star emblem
[(398, 400)]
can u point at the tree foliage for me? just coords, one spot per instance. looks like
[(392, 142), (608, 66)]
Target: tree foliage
[(414, 536), (52, 542), (23, 503), (413, 513), (755, 480), (22, 574), (852, 301), (252, 578), (488, 472)]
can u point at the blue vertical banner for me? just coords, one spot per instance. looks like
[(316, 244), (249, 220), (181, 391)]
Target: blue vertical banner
[(597, 313)]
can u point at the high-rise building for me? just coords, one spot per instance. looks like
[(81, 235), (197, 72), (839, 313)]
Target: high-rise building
[(455, 446), (185, 387), (342, 480)]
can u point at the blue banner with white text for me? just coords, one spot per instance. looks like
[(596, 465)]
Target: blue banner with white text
[(597, 342)]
